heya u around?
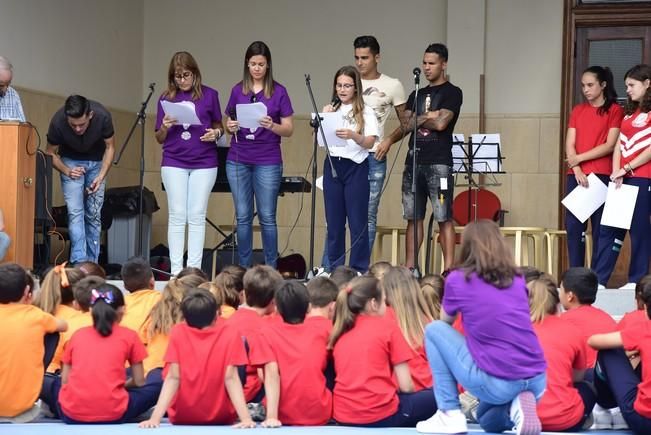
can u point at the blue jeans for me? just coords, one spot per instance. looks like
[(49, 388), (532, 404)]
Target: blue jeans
[(5, 241), (263, 181), (84, 210), (451, 362), (377, 171)]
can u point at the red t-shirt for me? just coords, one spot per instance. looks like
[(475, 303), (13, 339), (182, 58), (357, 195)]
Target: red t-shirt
[(365, 390), (634, 138), (301, 354), (633, 318), (638, 337), (203, 356), (95, 390), (561, 407), (249, 325), (421, 373), (589, 321), (592, 130)]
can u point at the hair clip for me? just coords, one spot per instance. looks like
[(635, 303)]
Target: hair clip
[(83, 269), (349, 289), (61, 271), (97, 295)]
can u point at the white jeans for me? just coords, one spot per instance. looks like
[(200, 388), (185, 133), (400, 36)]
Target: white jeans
[(188, 191)]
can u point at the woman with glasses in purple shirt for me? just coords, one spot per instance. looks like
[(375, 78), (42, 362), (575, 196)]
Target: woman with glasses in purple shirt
[(254, 164), (189, 166)]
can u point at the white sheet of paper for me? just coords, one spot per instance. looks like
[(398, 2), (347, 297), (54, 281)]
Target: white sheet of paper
[(183, 111), (249, 115), (620, 203), (458, 154), (485, 152), (583, 201), (331, 122)]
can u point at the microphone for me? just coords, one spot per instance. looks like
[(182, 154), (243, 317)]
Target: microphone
[(335, 101), (151, 86), (253, 98), (416, 73)]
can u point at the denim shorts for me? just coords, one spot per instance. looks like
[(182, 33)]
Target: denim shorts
[(428, 184)]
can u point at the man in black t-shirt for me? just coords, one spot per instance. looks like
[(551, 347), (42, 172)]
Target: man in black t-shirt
[(435, 114), (80, 141)]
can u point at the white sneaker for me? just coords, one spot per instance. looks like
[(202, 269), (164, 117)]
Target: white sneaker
[(602, 419), (618, 419), (318, 271), (628, 286), (524, 416), (444, 422)]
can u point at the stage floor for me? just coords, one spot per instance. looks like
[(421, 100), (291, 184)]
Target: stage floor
[(63, 429)]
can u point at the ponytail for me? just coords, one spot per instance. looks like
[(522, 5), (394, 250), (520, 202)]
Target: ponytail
[(604, 75), (56, 288), (350, 302), (543, 297), (104, 302)]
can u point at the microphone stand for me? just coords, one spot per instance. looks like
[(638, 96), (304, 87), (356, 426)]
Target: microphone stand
[(414, 172), (140, 119), (316, 125)]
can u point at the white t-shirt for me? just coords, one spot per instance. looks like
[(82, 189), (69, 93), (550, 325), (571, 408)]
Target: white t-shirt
[(352, 150), (382, 95)]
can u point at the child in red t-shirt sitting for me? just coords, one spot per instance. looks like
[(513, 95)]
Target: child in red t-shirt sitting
[(201, 383), (295, 383), (617, 382)]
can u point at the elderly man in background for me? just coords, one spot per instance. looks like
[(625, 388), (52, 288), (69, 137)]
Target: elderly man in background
[(10, 105)]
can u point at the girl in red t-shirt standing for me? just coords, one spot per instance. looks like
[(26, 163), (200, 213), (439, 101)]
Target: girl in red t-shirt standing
[(591, 137), (632, 166)]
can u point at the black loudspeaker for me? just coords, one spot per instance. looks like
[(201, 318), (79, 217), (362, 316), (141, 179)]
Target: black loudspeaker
[(43, 187), (229, 256)]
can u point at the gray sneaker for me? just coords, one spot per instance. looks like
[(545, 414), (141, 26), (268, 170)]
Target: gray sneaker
[(25, 417)]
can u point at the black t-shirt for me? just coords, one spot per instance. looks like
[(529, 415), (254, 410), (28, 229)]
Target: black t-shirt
[(88, 146), (435, 147)]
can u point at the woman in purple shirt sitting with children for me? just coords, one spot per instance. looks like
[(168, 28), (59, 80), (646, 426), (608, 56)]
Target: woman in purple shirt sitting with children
[(189, 166), (499, 360), (254, 165)]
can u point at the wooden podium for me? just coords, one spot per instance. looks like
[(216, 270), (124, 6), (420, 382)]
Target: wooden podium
[(17, 189)]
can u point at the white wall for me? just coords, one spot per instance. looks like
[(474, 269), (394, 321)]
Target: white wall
[(88, 47), (306, 36)]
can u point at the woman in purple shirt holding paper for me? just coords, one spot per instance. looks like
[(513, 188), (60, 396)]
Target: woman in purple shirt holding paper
[(499, 360), (189, 166), (254, 164)]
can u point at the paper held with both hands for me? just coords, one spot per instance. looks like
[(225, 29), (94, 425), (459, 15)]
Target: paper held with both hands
[(582, 202), (620, 203), (331, 122), (249, 114), (184, 112)]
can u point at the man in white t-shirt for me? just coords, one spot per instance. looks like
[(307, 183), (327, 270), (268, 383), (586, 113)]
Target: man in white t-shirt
[(381, 93)]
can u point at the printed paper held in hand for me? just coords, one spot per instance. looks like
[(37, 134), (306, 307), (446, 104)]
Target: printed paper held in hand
[(583, 201), (620, 203), (184, 112), (330, 122), (249, 115)]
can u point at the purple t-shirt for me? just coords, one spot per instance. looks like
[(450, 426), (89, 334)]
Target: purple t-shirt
[(497, 325), (260, 146), (182, 147)]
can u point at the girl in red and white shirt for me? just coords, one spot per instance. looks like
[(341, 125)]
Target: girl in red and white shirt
[(632, 166)]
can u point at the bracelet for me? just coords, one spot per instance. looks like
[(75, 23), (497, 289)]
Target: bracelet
[(217, 136), (629, 169)]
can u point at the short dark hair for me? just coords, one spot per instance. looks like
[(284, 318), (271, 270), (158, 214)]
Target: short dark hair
[(136, 274), (13, 280), (76, 106), (438, 48), (199, 308), (260, 283), (83, 288), (342, 275), (367, 41), (322, 291), (582, 282), (292, 302)]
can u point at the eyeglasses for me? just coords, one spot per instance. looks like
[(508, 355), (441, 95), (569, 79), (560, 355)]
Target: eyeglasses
[(344, 86), (179, 77)]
